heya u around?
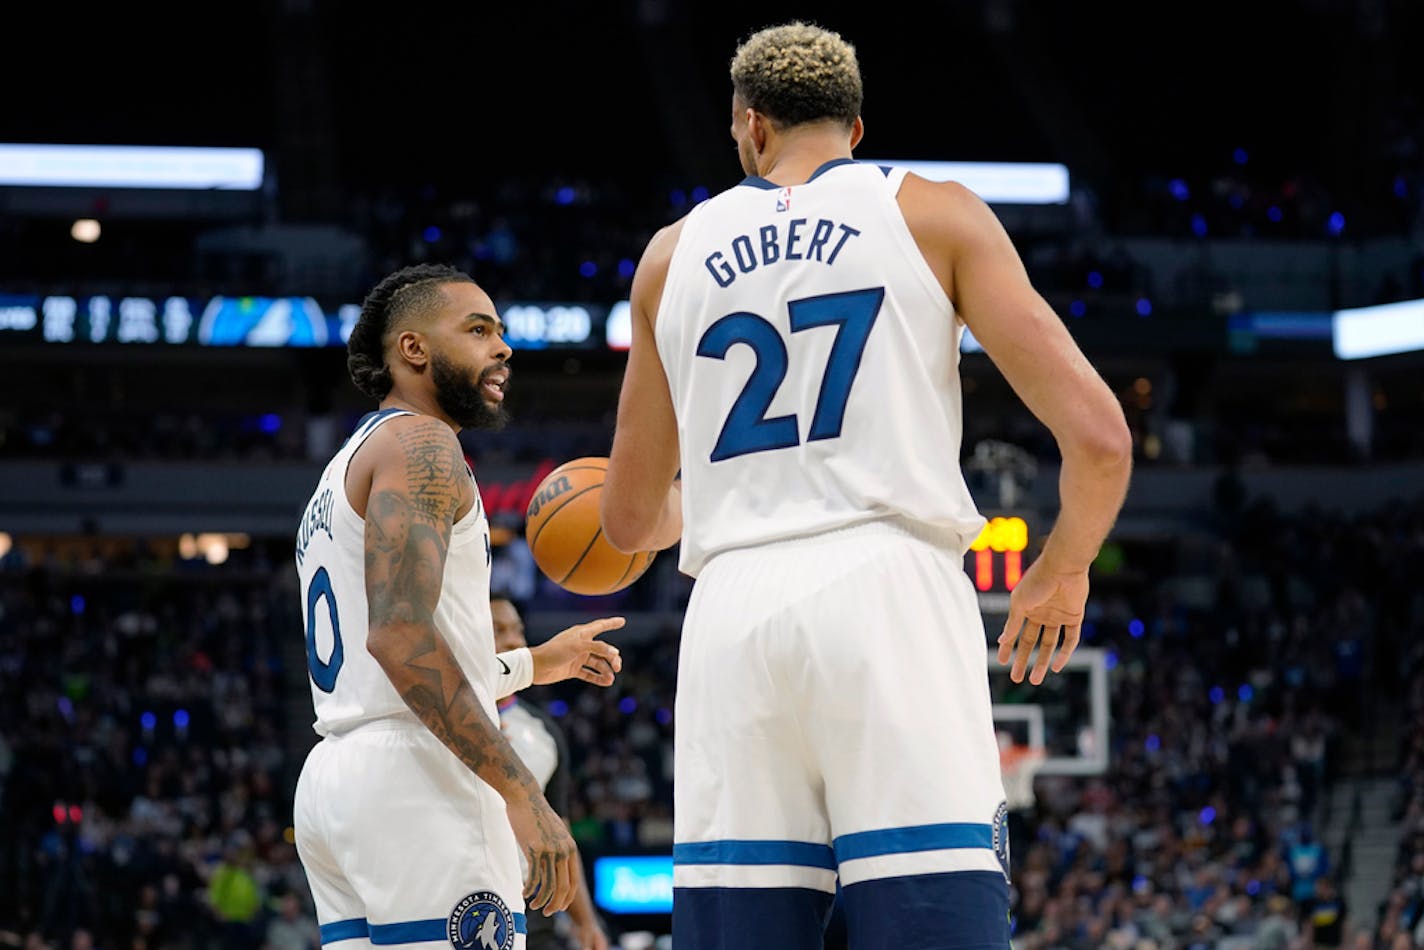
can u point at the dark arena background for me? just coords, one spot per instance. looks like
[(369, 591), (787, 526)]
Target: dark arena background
[(1221, 200)]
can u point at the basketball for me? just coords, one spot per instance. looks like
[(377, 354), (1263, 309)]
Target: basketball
[(564, 532)]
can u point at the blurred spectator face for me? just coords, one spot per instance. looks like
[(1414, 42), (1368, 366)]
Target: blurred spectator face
[(508, 628), (82, 940)]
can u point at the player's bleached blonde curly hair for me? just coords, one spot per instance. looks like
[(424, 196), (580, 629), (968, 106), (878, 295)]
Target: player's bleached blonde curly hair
[(798, 72)]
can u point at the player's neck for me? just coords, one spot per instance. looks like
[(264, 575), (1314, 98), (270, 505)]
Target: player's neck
[(793, 160)]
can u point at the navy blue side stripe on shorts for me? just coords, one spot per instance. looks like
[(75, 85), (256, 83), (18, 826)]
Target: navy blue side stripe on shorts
[(410, 931), (733, 851), (869, 844)]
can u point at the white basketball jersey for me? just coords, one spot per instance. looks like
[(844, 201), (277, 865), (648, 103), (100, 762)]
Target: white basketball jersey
[(348, 686), (813, 360)]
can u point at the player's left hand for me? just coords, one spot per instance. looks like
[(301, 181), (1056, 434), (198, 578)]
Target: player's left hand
[(589, 936), (1047, 601), (577, 653)]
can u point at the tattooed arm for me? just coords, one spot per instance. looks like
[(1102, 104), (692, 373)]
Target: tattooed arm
[(419, 487)]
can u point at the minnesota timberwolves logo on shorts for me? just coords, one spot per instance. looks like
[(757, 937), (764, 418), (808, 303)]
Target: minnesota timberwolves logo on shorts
[(1001, 836), (481, 921)]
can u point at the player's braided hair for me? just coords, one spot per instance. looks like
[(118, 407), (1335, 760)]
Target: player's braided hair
[(798, 72), (399, 294)]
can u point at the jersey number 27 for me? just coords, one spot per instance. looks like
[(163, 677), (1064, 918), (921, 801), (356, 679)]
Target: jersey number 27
[(747, 428)]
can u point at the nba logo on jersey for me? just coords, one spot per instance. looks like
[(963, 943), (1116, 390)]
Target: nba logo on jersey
[(481, 921), (783, 200)]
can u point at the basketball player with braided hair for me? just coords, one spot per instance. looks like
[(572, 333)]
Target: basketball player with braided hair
[(413, 814), (795, 357)]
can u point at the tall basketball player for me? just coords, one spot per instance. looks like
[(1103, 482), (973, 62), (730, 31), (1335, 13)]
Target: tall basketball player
[(795, 355), (413, 814)]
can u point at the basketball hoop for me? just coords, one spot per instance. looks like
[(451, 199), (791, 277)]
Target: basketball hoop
[(1018, 764)]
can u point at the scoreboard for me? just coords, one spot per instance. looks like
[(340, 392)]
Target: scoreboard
[(995, 560)]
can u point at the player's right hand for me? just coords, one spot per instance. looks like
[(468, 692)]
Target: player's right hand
[(1048, 601), (551, 877)]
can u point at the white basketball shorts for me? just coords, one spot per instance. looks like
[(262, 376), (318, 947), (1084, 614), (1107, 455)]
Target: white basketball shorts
[(404, 847)]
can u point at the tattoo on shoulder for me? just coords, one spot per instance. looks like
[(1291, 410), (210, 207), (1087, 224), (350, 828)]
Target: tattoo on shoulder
[(408, 529), (433, 466)]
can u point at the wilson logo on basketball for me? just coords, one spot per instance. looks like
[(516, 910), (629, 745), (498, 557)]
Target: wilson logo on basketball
[(556, 488)]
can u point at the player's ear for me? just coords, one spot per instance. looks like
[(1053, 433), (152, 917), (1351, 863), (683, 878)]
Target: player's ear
[(757, 128), (411, 347), (857, 132)]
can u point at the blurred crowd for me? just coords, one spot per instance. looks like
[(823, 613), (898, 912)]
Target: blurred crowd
[(144, 756), (1402, 911), (151, 725)]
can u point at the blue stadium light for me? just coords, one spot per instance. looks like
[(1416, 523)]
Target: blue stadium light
[(565, 195), (1380, 330), (640, 884), (140, 756), (700, 194), (1019, 183), (626, 266), (1198, 225), (1253, 887), (1245, 693), (1336, 225), (1140, 884), (1144, 307), (1274, 213), (1207, 816), (180, 718), (148, 720), (558, 708), (76, 605), (1077, 308), (1090, 630), (1216, 695), (66, 708), (1153, 743), (431, 234), (1095, 279), (132, 166), (627, 705), (270, 423), (588, 270), (1137, 628), (1239, 156), (1179, 189), (664, 715), (1110, 660), (677, 198), (1401, 187)]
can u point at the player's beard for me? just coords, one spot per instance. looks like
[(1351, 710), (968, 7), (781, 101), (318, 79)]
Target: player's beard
[(463, 401)]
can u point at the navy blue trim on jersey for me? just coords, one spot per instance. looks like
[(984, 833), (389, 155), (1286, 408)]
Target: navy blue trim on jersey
[(756, 181), (369, 419), (733, 918), (410, 931), (954, 910), (729, 851), (869, 844)]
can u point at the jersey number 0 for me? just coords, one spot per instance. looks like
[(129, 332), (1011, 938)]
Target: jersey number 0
[(323, 672), (747, 428)]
